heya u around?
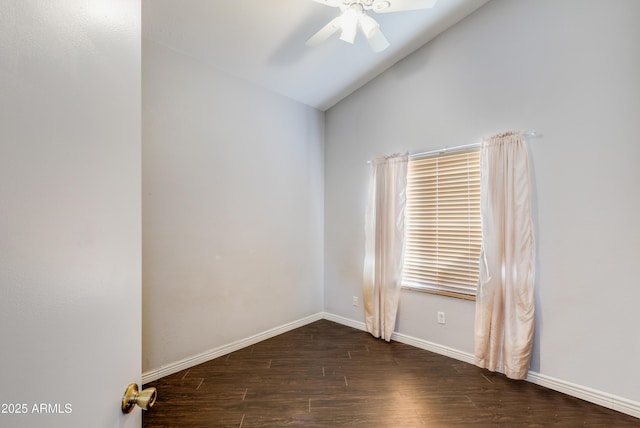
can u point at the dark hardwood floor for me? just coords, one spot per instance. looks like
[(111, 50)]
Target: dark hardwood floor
[(326, 375)]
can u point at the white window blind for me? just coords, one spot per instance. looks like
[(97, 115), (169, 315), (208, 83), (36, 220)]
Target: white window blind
[(443, 228)]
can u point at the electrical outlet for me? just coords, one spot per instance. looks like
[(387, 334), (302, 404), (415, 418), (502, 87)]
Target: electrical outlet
[(441, 318), (355, 300)]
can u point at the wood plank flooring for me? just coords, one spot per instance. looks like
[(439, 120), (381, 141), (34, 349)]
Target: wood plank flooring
[(327, 375)]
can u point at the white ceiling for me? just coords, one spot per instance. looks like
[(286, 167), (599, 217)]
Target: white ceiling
[(263, 41)]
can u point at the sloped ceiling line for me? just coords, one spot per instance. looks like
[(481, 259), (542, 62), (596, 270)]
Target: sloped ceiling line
[(263, 42)]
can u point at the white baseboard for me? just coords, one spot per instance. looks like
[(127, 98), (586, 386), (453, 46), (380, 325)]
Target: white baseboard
[(627, 406), (344, 321), (409, 340), (433, 347), (153, 375), (620, 404), (603, 399)]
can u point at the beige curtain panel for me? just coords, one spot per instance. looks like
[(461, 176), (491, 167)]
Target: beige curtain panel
[(505, 302), (384, 244)]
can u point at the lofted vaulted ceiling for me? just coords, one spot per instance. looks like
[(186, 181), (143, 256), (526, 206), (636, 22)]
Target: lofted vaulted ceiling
[(263, 41)]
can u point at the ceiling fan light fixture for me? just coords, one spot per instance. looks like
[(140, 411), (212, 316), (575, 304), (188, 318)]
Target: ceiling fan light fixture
[(349, 24), (368, 25), (378, 42), (348, 35), (354, 16)]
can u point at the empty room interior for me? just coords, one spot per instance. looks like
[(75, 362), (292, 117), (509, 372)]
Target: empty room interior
[(253, 203), (252, 170)]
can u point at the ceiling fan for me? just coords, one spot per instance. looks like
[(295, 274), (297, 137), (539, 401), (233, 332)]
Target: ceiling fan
[(354, 16)]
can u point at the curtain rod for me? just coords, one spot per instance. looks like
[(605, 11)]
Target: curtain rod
[(466, 146)]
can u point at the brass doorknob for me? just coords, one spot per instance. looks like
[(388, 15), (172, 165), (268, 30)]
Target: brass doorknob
[(145, 399)]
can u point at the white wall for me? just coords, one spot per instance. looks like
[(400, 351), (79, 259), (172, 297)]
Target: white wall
[(232, 209), (569, 70), (70, 246)]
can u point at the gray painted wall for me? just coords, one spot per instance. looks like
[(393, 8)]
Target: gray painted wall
[(232, 208), (568, 69)]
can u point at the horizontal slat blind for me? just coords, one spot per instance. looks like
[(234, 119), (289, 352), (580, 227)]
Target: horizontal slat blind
[(443, 229)]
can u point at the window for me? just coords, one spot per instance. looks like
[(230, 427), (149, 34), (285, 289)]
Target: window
[(443, 229)]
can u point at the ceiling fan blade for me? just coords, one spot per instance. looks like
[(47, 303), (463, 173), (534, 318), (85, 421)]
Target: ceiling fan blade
[(387, 6), (332, 3), (324, 33), (378, 42)]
